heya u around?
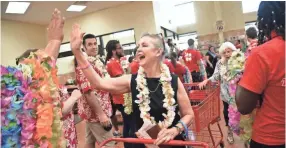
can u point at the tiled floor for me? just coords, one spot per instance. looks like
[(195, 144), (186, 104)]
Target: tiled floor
[(238, 143)]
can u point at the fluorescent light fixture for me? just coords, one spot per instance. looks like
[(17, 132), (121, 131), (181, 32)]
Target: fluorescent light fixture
[(17, 7), (77, 8)]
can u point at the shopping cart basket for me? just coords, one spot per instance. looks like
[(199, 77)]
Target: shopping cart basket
[(206, 107), (151, 141)]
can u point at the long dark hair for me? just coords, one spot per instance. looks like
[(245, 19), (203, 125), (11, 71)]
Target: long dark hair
[(211, 47), (110, 46), (173, 58), (271, 17)]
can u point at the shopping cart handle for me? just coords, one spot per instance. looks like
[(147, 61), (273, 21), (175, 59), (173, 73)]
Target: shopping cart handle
[(151, 141)]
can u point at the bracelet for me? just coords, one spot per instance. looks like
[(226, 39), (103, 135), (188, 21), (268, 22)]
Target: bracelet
[(85, 67), (185, 129)]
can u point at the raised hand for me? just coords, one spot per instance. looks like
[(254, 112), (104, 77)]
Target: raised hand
[(56, 25), (76, 38), (55, 34)]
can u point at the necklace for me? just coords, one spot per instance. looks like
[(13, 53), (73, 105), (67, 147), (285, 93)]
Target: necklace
[(155, 89), (143, 101)]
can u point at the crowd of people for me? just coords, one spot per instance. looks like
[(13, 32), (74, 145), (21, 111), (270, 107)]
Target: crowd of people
[(147, 89)]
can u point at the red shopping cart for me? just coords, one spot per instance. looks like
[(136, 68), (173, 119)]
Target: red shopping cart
[(151, 141), (206, 107)]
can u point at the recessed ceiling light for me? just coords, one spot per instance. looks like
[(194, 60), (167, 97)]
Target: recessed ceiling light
[(76, 8), (17, 7)]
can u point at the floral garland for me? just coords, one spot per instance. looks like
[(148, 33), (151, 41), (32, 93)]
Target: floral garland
[(35, 103), (240, 124), (127, 96), (235, 65), (144, 99), (99, 65), (13, 87)]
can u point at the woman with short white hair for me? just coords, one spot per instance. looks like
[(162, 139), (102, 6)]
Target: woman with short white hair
[(157, 95), (219, 74)]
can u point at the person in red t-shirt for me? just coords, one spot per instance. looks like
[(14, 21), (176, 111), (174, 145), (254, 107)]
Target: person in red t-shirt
[(170, 65), (134, 66), (193, 60), (264, 79), (238, 45), (251, 34), (115, 69), (179, 69), (134, 63)]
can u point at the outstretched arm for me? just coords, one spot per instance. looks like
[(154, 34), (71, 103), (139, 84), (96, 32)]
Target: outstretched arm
[(118, 85), (55, 34)]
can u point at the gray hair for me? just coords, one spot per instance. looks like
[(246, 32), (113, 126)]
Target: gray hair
[(226, 45), (158, 40)]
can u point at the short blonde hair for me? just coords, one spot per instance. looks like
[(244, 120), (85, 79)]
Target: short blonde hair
[(226, 45)]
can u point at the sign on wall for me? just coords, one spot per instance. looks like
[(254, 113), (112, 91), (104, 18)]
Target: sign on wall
[(220, 25)]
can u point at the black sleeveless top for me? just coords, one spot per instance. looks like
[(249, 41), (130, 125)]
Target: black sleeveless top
[(156, 102)]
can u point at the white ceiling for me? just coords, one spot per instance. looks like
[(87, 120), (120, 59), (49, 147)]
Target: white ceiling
[(39, 12)]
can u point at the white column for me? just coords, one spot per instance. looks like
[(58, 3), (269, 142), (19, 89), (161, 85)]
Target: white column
[(218, 13)]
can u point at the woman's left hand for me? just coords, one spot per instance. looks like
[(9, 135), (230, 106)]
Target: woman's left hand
[(165, 135)]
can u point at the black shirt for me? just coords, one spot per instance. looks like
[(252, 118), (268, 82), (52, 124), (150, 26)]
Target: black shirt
[(156, 102)]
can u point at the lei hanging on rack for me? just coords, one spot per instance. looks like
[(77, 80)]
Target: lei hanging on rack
[(240, 124), (127, 96), (143, 101), (31, 114)]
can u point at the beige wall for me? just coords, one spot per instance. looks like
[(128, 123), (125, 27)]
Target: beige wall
[(137, 15), (205, 17), (250, 17), (232, 15), (17, 37)]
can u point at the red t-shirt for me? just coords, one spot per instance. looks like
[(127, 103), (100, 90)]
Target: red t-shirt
[(134, 66), (265, 74), (191, 58), (114, 69), (170, 65), (180, 70)]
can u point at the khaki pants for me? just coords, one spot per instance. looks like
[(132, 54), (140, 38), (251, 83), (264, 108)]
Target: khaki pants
[(94, 132)]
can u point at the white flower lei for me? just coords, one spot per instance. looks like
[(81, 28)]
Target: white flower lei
[(144, 99), (99, 65), (127, 96)]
